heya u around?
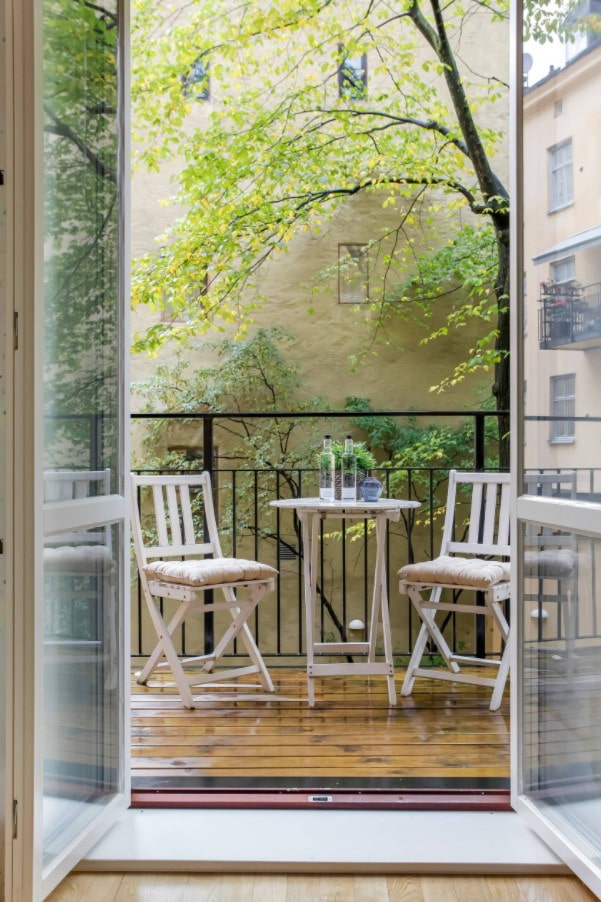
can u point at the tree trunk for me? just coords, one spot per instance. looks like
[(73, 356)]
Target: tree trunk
[(501, 386)]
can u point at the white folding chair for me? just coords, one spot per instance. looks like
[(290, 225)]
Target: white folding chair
[(76, 558), (487, 540), (551, 562), (79, 573), (178, 564)]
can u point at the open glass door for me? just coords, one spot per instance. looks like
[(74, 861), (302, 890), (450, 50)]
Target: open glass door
[(557, 343), (71, 438)]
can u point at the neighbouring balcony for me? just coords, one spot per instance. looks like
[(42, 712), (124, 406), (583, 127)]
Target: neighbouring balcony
[(569, 316)]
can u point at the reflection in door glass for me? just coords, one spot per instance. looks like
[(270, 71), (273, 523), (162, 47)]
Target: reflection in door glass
[(81, 698), (562, 247), (81, 234), (559, 596), (561, 694), (81, 735)]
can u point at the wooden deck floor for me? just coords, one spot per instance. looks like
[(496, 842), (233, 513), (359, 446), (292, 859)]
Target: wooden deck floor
[(442, 731)]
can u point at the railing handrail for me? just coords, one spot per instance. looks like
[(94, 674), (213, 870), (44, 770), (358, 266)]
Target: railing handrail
[(312, 414), (209, 417)]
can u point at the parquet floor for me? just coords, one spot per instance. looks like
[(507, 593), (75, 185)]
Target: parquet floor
[(441, 731), (316, 888)]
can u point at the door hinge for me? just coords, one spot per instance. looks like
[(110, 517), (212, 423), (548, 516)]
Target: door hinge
[(15, 818), (15, 331)]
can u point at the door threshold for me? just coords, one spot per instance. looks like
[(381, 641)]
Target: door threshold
[(408, 800)]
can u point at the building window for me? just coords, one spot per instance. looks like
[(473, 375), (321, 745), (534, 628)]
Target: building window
[(563, 272), (563, 404), (168, 313), (561, 181), (196, 84), (558, 108), (353, 274), (352, 76)]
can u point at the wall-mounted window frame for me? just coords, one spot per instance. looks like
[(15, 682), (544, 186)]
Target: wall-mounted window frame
[(563, 272), (168, 312), (196, 84), (353, 273), (352, 75), (561, 175), (562, 403)]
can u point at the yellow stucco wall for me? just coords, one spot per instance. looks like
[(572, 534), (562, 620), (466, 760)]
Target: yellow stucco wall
[(326, 340)]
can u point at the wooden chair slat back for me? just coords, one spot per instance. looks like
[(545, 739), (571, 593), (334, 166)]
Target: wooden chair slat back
[(488, 527), (68, 485), (173, 517)]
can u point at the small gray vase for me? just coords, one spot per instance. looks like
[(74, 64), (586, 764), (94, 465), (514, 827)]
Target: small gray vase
[(371, 488)]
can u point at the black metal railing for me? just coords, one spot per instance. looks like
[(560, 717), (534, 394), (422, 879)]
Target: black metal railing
[(250, 527)]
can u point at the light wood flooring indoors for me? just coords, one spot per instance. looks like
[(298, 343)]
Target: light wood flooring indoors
[(441, 731), (315, 888)]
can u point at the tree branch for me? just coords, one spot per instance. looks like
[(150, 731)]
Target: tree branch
[(425, 124), (437, 38), (62, 130)]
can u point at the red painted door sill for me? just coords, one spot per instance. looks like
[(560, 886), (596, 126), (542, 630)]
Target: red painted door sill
[(417, 800)]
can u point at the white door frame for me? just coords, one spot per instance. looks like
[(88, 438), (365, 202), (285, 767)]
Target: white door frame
[(579, 517), (6, 462), (24, 877)]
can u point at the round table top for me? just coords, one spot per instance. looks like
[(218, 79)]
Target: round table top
[(317, 504)]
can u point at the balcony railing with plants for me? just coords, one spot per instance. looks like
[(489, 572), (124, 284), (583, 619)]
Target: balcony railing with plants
[(434, 443)]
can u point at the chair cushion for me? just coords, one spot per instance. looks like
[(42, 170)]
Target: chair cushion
[(208, 572), (77, 558), (457, 571), (552, 563)]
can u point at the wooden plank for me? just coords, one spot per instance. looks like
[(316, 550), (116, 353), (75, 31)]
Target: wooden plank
[(241, 740), (340, 772), (330, 753)]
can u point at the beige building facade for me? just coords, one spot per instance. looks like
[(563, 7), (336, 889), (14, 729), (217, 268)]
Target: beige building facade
[(562, 267)]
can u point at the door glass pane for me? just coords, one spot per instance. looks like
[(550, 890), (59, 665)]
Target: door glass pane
[(561, 697), (562, 245), (558, 612), (81, 680), (81, 236), (82, 725)]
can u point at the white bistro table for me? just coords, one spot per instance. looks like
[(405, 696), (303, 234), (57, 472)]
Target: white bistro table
[(311, 512)]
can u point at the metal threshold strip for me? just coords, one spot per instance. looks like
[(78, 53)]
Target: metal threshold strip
[(416, 794), (409, 800)]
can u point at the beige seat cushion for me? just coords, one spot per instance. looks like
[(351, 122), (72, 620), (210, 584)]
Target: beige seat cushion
[(208, 572), (551, 563), (457, 571), (77, 558)]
